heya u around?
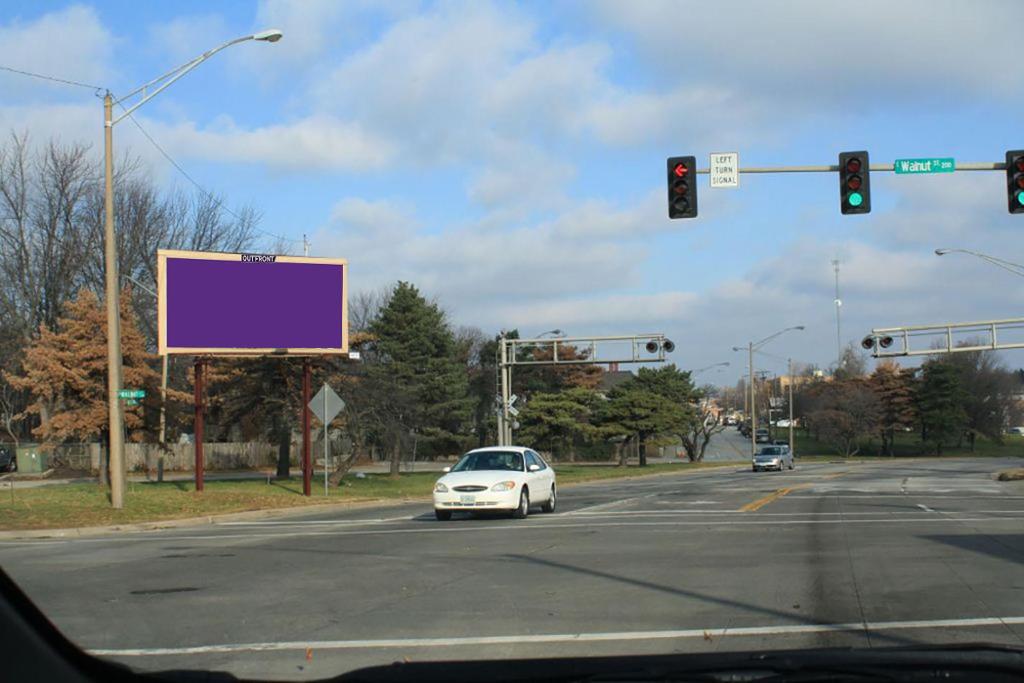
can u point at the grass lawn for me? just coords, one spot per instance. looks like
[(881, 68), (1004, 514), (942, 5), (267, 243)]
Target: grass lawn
[(909, 445), (86, 504)]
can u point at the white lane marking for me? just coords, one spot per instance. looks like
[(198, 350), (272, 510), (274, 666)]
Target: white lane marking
[(810, 493), (604, 506), (318, 522), (947, 519), (560, 637), (711, 513)]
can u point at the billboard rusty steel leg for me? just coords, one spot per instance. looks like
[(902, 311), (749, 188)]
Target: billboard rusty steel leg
[(307, 467), (200, 464)]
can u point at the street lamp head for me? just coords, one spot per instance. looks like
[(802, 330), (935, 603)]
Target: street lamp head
[(270, 35), (737, 348), (942, 252), (799, 327)]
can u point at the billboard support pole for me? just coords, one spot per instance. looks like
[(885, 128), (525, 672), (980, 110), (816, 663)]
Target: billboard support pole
[(200, 464), (307, 469)]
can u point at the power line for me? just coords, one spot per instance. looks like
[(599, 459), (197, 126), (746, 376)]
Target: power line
[(50, 78), (182, 171), (219, 202)]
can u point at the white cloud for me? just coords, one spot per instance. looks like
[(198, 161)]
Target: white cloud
[(183, 38), (520, 178), (585, 315), (70, 43), (422, 81), (828, 52), (315, 142)]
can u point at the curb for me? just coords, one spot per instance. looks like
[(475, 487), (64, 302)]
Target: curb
[(298, 510)]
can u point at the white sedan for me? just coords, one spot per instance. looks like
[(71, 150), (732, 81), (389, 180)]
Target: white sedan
[(506, 478)]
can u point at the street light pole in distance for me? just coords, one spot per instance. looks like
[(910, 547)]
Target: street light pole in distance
[(115, 425), (751, 347)]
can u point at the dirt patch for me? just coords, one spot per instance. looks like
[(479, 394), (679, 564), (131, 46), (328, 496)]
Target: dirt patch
[(1015, 474)]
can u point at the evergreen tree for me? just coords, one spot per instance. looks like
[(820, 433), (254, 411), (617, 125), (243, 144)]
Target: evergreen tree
[(418, 366), (635, 411), (940, 403), (559, 422)]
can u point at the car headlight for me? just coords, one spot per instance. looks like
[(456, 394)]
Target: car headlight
[(504, 486), (440, 488)]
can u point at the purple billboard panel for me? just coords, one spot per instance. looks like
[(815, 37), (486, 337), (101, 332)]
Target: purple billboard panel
[(251, 303)]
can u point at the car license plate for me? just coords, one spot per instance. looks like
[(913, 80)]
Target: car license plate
[(467, 500)]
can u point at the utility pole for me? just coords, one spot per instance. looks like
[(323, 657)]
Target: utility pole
[(305, 245), (115, 422), (839, 303), (791, 405), (753, 402)]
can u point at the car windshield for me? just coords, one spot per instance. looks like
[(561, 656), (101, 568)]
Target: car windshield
[(268, 268), (490, 460)]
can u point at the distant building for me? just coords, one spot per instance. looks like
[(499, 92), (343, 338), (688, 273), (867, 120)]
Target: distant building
[(613, 377)]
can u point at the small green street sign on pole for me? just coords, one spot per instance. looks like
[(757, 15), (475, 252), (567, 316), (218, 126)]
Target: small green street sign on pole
[(131, 393), (929, 165), (131, 402)]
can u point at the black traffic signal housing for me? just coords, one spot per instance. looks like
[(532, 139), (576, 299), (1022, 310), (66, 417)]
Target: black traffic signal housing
[(682, 187), (854, 182), (1015, 180)]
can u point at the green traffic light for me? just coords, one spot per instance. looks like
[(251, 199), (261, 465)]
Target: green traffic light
[(856, 199), (1020, 198)]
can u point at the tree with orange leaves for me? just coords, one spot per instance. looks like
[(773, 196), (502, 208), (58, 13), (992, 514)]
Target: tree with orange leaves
[(65, 371)]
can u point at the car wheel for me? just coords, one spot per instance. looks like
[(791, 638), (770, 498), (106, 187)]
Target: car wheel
[(524, 505), (443, 515), (549, 506)]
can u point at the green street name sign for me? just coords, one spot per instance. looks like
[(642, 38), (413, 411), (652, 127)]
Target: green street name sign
[(131, 393), (933, 165)]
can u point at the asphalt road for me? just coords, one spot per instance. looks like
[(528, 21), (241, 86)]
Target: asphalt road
[(828, 554)]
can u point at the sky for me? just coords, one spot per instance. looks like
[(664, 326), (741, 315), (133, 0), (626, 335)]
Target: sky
[(509, 158)]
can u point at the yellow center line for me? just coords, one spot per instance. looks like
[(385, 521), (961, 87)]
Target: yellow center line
[(775, 495)]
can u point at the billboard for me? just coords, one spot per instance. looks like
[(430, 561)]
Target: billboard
[(251, 304)]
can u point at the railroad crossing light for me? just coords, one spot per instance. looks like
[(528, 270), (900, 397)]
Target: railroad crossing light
[(855, 182), (682, 187), (1015, 180), (869, 342), (667, 345)]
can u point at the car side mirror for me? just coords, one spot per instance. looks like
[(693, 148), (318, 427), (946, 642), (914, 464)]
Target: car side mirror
[(534, 468), (446, 470)]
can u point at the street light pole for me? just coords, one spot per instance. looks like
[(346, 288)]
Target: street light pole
[(115, 422), (1015, 268), (751, 347)]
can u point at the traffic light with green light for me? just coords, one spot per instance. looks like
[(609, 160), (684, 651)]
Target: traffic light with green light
[(682, 187), (1015, 180), (854, 182)]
